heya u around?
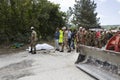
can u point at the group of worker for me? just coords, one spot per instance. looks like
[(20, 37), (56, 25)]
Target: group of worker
[(64, 38), (96, 38), (71, 39)]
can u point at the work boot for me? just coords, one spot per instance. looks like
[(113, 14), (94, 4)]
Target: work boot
[(30, 51), (61, 51), (34, 52), (69, 51), (77, 50), (57, 49)]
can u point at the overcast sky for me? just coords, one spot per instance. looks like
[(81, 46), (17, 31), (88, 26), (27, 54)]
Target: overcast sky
[(108, 10)]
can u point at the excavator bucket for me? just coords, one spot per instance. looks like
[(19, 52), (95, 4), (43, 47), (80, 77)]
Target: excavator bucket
[(101, 63)]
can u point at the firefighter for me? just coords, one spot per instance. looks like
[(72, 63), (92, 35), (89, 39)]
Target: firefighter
[(98, 39), (88, 38), (33, 41), (78, 38)]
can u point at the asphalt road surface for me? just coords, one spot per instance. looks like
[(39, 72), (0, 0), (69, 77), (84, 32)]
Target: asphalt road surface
[(45, 65)]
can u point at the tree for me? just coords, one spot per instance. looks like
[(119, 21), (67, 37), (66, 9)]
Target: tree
[(84, 14), (17, 16)]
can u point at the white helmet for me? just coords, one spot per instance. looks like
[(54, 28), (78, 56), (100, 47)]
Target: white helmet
[(81, 27), (32, 27), (64, 28)]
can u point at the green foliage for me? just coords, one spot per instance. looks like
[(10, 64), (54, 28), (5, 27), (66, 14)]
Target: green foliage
[(84, 14), (17, 16)]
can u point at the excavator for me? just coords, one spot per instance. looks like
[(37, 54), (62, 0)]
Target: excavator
[(103, 64)]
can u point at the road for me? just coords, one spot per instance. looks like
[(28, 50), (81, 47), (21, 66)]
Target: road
[(44, 65)]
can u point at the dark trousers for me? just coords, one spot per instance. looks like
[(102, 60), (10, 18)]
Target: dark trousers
[(69, 43)]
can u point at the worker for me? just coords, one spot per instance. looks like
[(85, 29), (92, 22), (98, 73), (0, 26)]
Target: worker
[(61, 39), (57, 39), (33, 41)]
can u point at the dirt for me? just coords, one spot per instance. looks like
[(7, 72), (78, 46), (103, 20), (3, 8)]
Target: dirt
[(9, 50)]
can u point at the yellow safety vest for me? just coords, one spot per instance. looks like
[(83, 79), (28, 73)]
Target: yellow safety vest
[(61, 36)]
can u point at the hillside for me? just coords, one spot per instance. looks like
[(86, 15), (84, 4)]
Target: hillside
[(110, 26)]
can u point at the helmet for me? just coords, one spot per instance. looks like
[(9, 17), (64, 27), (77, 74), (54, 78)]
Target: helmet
[(81, 27), (32, 27), (64, 28)]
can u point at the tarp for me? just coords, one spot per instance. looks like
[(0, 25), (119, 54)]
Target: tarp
[(43, 46)]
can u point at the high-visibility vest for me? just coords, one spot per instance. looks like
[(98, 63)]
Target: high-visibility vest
[(61, 36)]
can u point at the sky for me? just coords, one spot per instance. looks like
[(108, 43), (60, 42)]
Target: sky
[(108, 10)]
